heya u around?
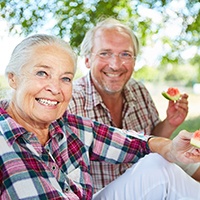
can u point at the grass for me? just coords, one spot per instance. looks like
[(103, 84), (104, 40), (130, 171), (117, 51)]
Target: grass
[(190, 125)]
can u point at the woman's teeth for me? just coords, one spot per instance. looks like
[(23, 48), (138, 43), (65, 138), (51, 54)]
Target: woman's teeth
[(47, 102)]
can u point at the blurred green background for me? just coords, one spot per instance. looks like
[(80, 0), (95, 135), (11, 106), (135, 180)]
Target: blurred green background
[(168, 33)]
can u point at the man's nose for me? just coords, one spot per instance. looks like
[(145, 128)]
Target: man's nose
[(116, 62)]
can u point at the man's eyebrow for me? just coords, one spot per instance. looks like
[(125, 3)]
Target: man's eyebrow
[(125, 50)]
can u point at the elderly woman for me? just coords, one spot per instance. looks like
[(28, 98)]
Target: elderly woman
[(45, 152)]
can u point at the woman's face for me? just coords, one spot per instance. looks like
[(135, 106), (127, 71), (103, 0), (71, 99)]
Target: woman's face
[(44, 87)]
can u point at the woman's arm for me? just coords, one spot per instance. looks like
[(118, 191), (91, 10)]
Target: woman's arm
[(196, 175), (177, 150)]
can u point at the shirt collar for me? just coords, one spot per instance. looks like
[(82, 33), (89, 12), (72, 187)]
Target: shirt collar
[(129, 93), (93, 98), (12, 130)]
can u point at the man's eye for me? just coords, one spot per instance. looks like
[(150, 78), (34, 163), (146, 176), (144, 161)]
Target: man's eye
[(126, 55), (105, 54), (41, 73)]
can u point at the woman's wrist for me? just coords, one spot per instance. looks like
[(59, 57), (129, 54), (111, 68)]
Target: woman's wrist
[(161, 146)]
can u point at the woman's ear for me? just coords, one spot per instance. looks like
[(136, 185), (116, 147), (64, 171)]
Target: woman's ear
[(87, 62), (12, 80)]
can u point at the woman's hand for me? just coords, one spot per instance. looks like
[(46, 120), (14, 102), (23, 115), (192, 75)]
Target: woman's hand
[(182, 150), (177, 150)]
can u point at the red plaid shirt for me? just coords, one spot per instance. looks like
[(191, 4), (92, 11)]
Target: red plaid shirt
[(139, 114), (60, 169)]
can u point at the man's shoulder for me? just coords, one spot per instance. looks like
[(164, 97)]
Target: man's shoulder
[(80, 82), (79, 85), (132, 83), (80, 95), (135, 89)]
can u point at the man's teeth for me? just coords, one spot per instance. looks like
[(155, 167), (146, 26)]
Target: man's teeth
[(112, 75), (47, 102)]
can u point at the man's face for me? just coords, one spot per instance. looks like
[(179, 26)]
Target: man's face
[(111, 74)]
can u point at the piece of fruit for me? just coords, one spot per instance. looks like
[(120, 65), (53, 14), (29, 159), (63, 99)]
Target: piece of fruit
[(195, 140), (172, 94)]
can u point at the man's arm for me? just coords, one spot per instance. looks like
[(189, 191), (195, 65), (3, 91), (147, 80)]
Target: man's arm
[(164, 129)]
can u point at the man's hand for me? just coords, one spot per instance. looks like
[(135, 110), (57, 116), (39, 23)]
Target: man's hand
[(176, 114), (177, 111)]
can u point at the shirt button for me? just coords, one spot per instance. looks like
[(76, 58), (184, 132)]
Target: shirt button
[(53, 167), (67, 189)]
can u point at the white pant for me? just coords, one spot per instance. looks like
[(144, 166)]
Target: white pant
[(151, 178)]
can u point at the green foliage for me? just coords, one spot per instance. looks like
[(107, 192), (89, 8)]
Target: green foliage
[(194, 28), (195, 62), (190, 125), (183, 74), (146, 74), (180, 73), (71, 19)]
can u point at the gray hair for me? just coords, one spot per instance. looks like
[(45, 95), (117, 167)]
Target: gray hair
[(22, 52), (109, 23)]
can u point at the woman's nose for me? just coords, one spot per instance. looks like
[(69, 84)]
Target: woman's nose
[(54, 86)]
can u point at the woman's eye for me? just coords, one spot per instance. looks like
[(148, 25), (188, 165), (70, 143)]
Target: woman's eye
[(41, 73), (66, 79)]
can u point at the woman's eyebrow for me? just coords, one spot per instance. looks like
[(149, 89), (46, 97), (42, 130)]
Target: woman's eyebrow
[(48, 67)]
